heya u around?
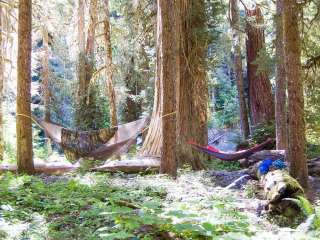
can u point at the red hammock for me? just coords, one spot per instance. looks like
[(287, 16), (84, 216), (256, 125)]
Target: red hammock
[(230, 156)]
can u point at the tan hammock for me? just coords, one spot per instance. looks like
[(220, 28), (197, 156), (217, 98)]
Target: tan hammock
[(100, 144)]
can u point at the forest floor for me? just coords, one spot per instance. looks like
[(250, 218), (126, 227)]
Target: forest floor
[(196, 205)]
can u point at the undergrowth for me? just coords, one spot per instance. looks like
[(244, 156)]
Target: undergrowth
[(89, 208)]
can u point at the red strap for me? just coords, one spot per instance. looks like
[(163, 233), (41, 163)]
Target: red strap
[(213, 149)]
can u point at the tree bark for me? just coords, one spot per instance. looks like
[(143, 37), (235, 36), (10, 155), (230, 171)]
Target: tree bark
[(192, 90), (45, 73), (281, 84), (45, 78), (168, 49), (2, 68), (81, 57), (23, 125), (296, 126), (244, 123), (109, 67), (260, 97), (153, 141)]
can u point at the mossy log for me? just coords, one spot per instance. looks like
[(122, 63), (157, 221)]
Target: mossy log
[(278, 188)]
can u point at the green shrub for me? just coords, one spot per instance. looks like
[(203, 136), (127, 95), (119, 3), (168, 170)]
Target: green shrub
[(263, 131)]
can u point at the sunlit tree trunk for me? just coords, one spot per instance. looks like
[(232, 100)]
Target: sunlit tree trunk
[(153, 141), (260, 96), (191, 87), (90, 47), (23, 125), (281, 84), (169, 72), (1, 85), (192, 93), (45, 78), (235, 24), (81, 54), (109, 66), (296, 126)]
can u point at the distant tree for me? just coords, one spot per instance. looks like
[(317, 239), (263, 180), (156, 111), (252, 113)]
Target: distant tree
[(296, 126), (23, 125), (281, 83), (1, 86), (109, 66), (82, 48), (235, 24), (46, 76), (89, 113), (261, 101)]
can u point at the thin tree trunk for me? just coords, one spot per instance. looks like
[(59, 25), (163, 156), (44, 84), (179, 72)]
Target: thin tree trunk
[(2, 68), (24, 128), (109, 67), (192, 93), (90, 47), (82, 55), (93, 12), (296, 126), (244, 123), (45, 79), (281, 84), (260, 96), (168, 49)]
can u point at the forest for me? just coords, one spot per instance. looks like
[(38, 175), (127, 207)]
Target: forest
[(159, 119)]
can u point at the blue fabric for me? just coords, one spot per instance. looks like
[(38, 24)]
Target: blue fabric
[(279, 164), (264, 167), (266, 164)]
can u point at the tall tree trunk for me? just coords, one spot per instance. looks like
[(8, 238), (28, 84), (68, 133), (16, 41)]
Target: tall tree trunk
[(169, 72), (45, 73), (281, 84), (90, 47), (191, 98), (153, 141), (296, 126), (82, 56), (234, 9), (45, 78), (23, 125), (260, 96), (109, 67), (192, 93), (1, 86)]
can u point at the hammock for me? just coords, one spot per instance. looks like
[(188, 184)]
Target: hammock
[(99, 144), (230, 156)]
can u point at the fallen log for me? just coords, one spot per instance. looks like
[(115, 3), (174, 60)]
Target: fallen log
[(279, 188), (130, 166), (314, 167), (262, 155), (42, 168), (254, 160)]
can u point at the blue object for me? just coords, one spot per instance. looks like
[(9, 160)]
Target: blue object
[(279, 164), (264, 167)]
